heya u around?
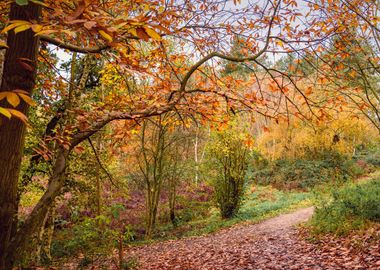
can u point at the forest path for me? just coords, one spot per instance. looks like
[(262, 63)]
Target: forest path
[(272, 244)]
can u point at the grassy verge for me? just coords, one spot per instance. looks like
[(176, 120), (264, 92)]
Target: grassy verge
[(264, 202), (354, 206), (259, 204)]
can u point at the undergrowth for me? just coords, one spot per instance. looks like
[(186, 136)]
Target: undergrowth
[(259, 203), (352, 207)]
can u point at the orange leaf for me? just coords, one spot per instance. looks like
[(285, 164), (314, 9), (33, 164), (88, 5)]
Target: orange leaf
[(78, 11), (27, 99), (19, 115), (141, 33), (36, 28), (89, 24), (309, 90), (13, 99)]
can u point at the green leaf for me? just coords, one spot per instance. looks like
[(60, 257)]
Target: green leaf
[(22, 2)]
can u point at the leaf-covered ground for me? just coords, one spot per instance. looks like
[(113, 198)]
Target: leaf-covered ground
[(273, 244)]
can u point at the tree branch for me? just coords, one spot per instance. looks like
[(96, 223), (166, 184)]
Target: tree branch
[(100, 163), (228, 57), (59, 43)]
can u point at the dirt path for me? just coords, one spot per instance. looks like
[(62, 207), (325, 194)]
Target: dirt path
[(272, 244)]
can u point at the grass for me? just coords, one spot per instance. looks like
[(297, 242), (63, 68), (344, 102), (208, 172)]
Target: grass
[(354, 206), (259, 204)]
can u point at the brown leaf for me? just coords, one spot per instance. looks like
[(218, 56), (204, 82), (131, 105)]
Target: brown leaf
[(78, 11), (141, 33)]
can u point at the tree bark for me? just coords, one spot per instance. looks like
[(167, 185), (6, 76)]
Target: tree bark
[(19, 73), (35, 219)]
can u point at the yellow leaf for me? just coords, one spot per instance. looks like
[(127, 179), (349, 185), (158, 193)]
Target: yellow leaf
[(39, 3), (68, 32), (5, 112), (36, 28), (105, 36), (19, 115), (3, 44), (27, 99), (21, 28), (13, 99), (19, 22), (153, 34), (133, 31), (45, 32), (14, 24)]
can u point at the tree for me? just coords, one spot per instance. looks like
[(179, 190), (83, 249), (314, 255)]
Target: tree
[(229, 155), (158, 155), (19, 73), (148, 80)]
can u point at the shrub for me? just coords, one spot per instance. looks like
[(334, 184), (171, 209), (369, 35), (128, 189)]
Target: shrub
[(307, 173), (92, 237), (368, 155), (229, 155), (351, 207)]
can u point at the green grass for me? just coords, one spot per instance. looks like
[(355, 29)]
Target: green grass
[(354, 206), (264, 202), (260, 204)]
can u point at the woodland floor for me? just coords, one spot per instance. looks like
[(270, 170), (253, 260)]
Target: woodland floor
[(272, 244)]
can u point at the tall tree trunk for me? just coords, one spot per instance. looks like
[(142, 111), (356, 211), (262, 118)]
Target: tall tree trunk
[(19, 73)]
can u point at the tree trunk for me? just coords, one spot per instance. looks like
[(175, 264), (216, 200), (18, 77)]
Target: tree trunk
[(18, 73), (196, 158), (49, 234), (172, 199), (98, 184), (121, 251), (2, 55), (40, 241), (34, 221)]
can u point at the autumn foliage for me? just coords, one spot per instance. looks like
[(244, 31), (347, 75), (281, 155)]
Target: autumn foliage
[(100, 100)]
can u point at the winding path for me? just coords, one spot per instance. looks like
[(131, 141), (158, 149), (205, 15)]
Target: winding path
[(272, 244)]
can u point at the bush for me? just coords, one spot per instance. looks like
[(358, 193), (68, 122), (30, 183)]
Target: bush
[(351, 207), (368, 155), (306, 173), (92, 237), (229, 155)]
